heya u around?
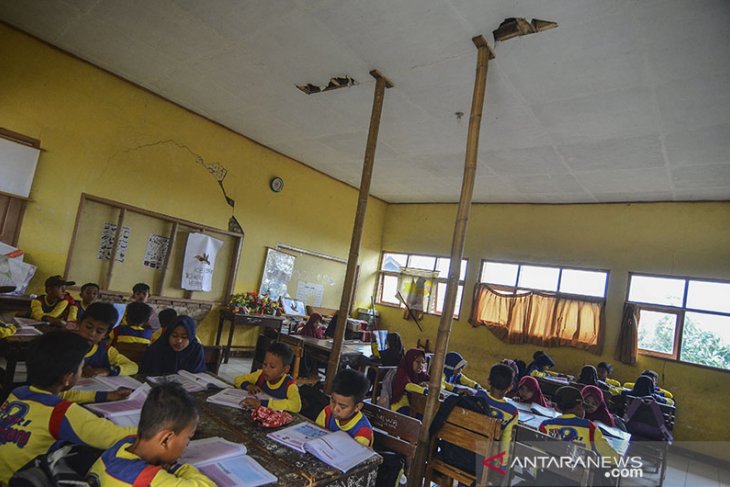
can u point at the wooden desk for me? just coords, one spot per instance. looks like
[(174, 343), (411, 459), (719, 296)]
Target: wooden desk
[(242, 320), (354, 352), (14, 303), (290, 466)]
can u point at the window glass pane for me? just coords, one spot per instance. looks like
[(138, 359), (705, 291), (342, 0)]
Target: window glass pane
[(442, 265), (462, 272), (656, 290), (656, 331), (710, 296), (588, 283), (422, 262), (393, 262), (441, 297), (389, 286), (499, 273), (534, 277), (706, 340)]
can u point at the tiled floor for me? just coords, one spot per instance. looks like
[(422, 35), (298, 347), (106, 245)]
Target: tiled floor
[(236, 366)]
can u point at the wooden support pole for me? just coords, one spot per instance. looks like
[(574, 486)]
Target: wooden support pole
[(115, 245), (484, 54), (170, 246), (381, 83)]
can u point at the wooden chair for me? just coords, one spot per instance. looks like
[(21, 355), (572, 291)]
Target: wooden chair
[(472, 431), (416, 404), (133, 351), (213, 358), (531, 446), (380, 371), (394, 432)]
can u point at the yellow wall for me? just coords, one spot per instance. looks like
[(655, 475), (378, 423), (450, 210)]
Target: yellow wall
[(89, 124), (690, 239)]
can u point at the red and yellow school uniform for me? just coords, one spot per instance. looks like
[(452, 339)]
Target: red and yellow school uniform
[(7, 329), (132, 334), (569, 427), (358, 426), (118, 467), (507, 413), (40, 307), (34, 421), (103, 355), (284, 391)]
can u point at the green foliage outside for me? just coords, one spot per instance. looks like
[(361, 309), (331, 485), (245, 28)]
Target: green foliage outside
[(698, 346)]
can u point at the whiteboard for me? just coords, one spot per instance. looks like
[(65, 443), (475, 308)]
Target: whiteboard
[(17, 166)]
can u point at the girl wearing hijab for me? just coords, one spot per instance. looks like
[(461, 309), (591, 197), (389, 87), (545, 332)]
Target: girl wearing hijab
[(541, 363), (454, 364), (177, 349), (595, 407), (311, 328), (645, 387), (410, 377), (528, 391)]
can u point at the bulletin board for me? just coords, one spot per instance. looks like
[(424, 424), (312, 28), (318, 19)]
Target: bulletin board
[(316, 279), (117, 245)]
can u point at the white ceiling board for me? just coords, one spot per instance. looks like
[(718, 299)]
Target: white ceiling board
[(625, 101), (612, 154)]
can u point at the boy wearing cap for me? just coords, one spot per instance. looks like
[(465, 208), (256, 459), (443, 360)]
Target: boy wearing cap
[(53, 306)]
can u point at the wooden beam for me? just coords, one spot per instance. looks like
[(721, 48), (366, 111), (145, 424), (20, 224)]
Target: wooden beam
[(381, 83), (117, 235), (170, 246), (457, 252)]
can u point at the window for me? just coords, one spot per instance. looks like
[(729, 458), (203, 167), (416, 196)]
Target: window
[(420, 280), (683, 319), (542, 305), (560, 280)]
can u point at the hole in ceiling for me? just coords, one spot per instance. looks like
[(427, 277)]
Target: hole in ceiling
[(334, 83)]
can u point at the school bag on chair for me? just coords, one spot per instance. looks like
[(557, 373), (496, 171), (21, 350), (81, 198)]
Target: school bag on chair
[(644, 419), (48, 470), (386, 389)]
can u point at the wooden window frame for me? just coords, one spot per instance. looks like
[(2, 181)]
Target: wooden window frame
[(437, 280), (21, 200), (679, 311)]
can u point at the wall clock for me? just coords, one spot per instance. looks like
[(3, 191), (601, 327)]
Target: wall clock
[(276, 184)]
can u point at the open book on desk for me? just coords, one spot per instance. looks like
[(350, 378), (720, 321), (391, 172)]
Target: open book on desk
[(232, 397), (226, 463), (27, 322), (524, 407), (125, 412), (108, 383), (191, 382), (336, 449)]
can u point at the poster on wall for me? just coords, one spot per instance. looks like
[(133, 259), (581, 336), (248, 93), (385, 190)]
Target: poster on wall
[(106, 242), (199, 261), (310, 292), (156, 251), (278, 270)]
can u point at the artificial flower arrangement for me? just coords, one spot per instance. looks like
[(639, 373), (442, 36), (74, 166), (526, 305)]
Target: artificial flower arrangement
[(255, 303)]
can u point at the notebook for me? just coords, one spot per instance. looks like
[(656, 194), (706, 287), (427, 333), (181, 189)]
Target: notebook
[(26, 322), (191, 382), (109, 383), (336, 449), (226, 463)]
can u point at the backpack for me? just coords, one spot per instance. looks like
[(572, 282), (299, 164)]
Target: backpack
[(48, 470), (391, 470), (386, 388), (644, 419)]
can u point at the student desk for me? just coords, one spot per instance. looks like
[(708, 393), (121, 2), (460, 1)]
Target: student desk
[(10, 303), (354, 352), (235, 320)]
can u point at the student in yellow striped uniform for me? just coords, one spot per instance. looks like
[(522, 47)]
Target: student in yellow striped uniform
[(168, 421), (102, 359), (53, 306), (134, 331), (273, 379), (35, 419)]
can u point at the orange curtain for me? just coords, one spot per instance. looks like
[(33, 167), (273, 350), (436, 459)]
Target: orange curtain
[(627, 350), (543, 319)]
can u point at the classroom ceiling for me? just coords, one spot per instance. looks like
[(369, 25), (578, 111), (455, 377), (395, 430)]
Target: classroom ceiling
[(625, 101)]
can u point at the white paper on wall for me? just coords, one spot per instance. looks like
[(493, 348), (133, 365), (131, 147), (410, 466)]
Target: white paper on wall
[(17, 166), (106, 242), (199, 261), (310, 292), (154, 254)]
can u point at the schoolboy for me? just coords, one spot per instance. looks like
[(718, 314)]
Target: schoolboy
[(140, 294), (102, 358), (34, 418), (133, 331), (572, 426), (88, 294), (53, 306), (605, 369), (274, 380), (168, 421), (344, 412), (500, 381)]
